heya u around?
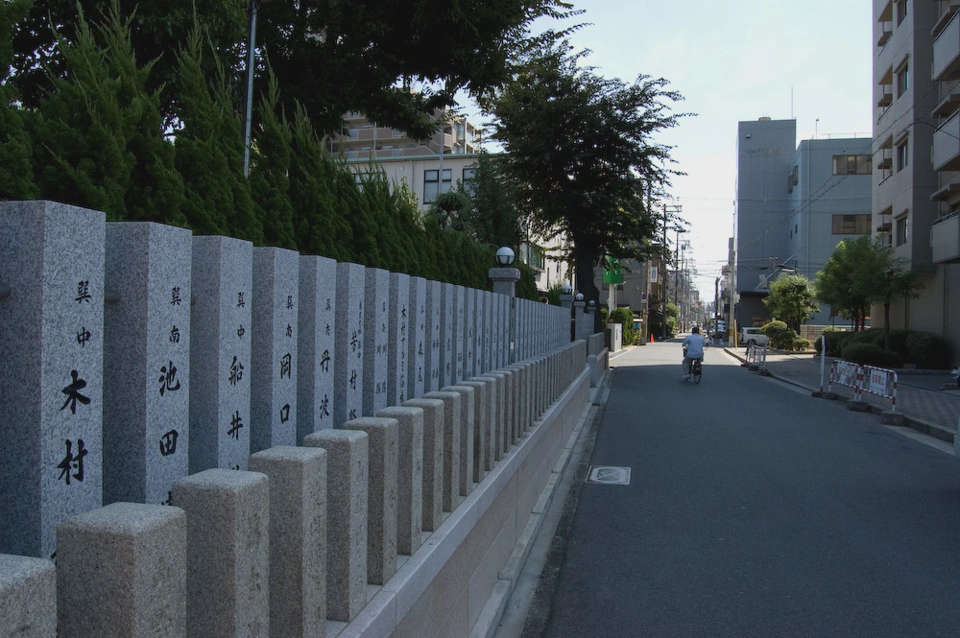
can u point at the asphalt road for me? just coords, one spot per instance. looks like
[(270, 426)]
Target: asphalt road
[(753, 510)]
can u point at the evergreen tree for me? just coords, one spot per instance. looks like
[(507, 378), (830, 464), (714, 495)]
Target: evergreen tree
[(209, 154), (269, 170), (319, 223), (98, 139), (16, 178)]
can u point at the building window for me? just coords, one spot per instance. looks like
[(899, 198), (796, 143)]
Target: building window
[(469, 175), (902, 155), (852, 165), (903, 80), (901, 11), (431, 184), (851, 224), (900, 230)]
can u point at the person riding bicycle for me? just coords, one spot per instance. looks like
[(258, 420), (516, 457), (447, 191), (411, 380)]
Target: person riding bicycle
[(692, 349)]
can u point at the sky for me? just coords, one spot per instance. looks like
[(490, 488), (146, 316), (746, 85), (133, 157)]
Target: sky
[(735, 61)]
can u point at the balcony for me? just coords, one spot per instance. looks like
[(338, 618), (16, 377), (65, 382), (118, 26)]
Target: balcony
[(884, 37), (946, 145), (945, 239), (946, 51), (885, 100)]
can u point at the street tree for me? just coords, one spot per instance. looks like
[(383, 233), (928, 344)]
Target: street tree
[(791, 300), (394, 61), (834, 285), (862, 272), (580, 153)]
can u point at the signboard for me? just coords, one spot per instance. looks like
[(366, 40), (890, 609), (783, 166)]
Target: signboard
[(611, 271)]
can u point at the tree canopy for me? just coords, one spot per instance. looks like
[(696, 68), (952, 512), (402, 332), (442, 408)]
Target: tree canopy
[(862, 272), (394, 61), (580, 154), (791, 300)]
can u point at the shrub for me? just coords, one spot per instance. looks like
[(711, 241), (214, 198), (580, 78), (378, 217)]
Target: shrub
[(781, 337), (800, 344), (836, 340), (928, 350), (818, 342), (773, 327), (868, 354)]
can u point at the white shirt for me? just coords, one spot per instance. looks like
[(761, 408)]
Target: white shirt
[(694, 344)]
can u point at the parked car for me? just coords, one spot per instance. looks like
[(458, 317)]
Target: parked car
[(752, 335)]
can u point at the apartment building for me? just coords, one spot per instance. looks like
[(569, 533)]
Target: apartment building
[(916, 192), (426, 171), (365, 140), (829, 200)]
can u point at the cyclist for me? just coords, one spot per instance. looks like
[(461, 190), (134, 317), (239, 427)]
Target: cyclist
[(692, 349)]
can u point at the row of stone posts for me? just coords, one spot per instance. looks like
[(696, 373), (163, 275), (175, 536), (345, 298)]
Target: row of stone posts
[(145, 366), (293, 545)]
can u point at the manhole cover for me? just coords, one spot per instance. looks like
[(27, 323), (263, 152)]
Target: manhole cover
[(609, 475)]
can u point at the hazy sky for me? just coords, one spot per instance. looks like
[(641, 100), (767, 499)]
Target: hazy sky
[(732, 62)]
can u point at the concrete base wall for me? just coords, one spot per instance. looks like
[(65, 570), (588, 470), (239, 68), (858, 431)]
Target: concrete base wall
[(443, 588)]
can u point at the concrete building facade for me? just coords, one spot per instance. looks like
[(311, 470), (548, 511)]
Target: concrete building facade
[(829, 200), (916, 192), (765, 150)]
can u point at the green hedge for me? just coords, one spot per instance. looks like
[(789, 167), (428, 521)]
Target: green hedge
[(781, 337), (928, 351), (868, 354)]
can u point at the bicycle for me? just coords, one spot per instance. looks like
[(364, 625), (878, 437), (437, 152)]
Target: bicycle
[(696, 369)]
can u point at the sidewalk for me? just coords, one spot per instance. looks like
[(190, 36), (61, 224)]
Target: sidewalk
[(920, 399)]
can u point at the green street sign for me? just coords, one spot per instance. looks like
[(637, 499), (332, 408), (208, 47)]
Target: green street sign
[(611, 271)]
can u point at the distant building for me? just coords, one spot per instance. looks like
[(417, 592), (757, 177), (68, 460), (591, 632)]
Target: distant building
[(828, 200), (419, 164), (363, 139), (794, 205), (765, 150)]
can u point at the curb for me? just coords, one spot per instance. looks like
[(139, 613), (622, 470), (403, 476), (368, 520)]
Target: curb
[(492, 614), (924, 427)]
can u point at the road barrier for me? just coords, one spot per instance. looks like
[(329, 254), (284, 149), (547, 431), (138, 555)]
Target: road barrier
[(878, 381), (757, 354)]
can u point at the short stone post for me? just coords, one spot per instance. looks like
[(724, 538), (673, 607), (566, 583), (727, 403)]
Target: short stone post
[(122, 572), (383, 434), (467, 423), (28, 597), (481, 424), (432, 487), (298, 539), (498, 422), (409, 476), (451, 447), (347, 484), (228, 552)]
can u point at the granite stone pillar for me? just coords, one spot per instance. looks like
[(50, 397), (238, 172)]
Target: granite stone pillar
[(298, 539), (228, 552), (383, 440), (409, 476), (433, 446), (122, 572), (347, 485)]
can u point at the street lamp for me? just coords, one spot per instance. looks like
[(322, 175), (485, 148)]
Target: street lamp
[(505, 257)]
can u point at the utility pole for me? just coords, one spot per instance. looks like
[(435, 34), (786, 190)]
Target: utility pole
[(663, 287)]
